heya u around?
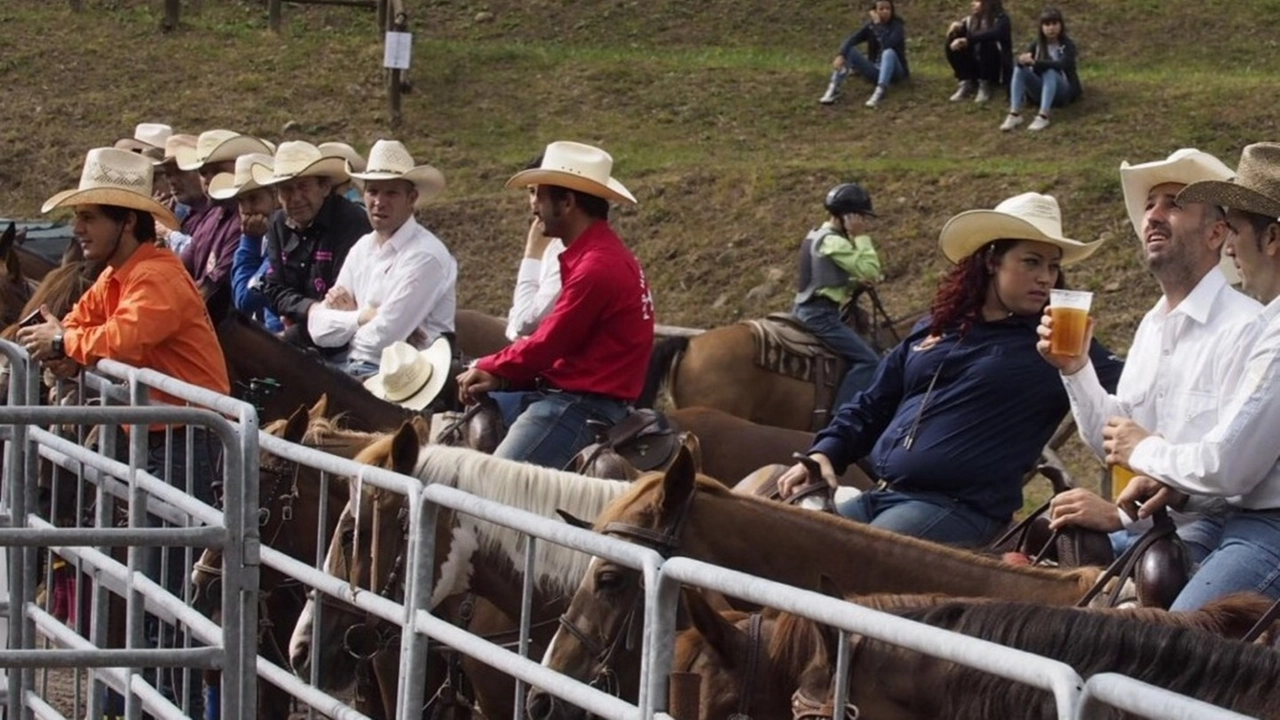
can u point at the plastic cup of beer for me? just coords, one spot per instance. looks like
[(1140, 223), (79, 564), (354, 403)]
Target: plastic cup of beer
[(1120, 477), (1070, 312)]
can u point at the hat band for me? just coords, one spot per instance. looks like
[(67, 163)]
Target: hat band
[(414, 386)]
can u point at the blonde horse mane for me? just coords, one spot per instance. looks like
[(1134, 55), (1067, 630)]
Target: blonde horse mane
[(538, 490)]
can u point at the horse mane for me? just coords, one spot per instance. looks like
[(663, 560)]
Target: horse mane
[(60, 290), (541, 491), (1192, 662)]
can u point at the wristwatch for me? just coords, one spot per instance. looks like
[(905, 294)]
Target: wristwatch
[(59, 348)]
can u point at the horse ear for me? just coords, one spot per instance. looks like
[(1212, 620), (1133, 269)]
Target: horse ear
[(7, 239), (691, 443), (711, 625), (829, 587), (10, 257), (421, 426), (679, 482), (404, 449), (321, 408), (296, 427), (572, 519)]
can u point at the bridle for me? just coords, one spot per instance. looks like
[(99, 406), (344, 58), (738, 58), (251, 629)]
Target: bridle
[(804, 707), (666, 541)]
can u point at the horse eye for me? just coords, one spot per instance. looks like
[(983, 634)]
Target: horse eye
[(348, 536), (610, 580)]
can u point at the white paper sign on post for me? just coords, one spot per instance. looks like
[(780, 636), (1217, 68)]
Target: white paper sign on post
[(399, 48)]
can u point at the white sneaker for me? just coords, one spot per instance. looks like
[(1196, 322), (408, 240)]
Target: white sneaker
[(984, 91), (964, 92), (1041, 122), (876, 97), (830, 96), (1011, 121)]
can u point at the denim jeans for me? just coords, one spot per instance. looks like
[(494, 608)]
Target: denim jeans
[(1200, 536), (359, 369), (929, 516), (822, 317), (1247, 560), (889, 70), (1051, 89), (552, 427)]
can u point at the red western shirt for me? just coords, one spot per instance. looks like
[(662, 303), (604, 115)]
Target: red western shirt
[(599, 334)]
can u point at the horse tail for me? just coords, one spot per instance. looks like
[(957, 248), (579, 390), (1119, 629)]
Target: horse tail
[(665, 355)]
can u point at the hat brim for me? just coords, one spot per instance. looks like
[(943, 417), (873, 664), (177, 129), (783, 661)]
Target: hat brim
[(966, 233), (227, 150), (611, 190), (1229, 194), (223, 186), (439, 355), (136, 146), (428, 180), (1137, 180), (113, 196), (330, 167)]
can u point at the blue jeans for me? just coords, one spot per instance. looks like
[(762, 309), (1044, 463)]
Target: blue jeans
[(1200, 536), (1051, 89), (552, 427), (929, 516), (888, 70), (1247, 560), (359, 369), (822, 317)]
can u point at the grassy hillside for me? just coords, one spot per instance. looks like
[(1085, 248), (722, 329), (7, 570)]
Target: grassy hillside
[(709, 108)]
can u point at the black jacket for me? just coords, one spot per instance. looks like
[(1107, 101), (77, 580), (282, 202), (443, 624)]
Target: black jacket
[(1000, 34), (879, 38), (304, 264), (1067, 65)]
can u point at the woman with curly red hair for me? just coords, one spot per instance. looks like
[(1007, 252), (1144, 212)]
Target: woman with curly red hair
[(961, 409)]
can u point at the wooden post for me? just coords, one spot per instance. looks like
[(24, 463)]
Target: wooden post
[(273, 15), (399, 23), (77, 5), (172, 10), (382, 16)]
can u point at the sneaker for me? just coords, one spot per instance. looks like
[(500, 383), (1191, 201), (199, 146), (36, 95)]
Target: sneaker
[(984, 91), (1041, 122), (964, 92), (830, 96), (1011, 121), (876, 97)]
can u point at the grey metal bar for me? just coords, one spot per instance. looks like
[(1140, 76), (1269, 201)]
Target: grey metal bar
[(841, 696), (526, 619), (111, 537), (1135, 696), (204, 658), (420, 569)]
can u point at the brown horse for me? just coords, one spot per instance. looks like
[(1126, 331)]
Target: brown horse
[(791, 651), (479, 334), (702, 520), (15, 291)]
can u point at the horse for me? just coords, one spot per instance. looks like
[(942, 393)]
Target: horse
[(473, 559), (719, 369), (479, 334), (718, 646), (678, 513), (15, 291)]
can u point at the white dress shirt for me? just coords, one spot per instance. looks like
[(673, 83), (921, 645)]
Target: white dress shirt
[(537, 287), (1240, 455), (413, 281)]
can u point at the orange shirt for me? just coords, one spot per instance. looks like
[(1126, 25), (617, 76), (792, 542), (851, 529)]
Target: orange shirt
[(149, 314)]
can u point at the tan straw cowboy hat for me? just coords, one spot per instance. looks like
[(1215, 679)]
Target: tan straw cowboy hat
[(148, 139), (578, 167), (219, 146), (114, 177), (389, 160), (225, 186), (1029, 216), (410, 377), (355, 163), (173, 144), (296, 159), (1255, 188)]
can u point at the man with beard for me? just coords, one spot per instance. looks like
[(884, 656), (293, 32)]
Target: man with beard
[(1186, 350)]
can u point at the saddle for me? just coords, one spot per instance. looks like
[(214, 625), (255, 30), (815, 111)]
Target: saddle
[(479, 427), (642, 441), (786, 347), (816, 495)]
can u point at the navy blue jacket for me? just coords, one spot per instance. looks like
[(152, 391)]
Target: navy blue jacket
[(892, 36), (993, 406)]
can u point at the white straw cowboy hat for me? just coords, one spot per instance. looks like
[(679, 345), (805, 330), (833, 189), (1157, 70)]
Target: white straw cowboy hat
[(578, 167), (114, 177), (219, 146), (1183, 167), (1029, 216), (410, 377), (389, 160), (224, 186), (148, 139), (1255, 188), (173, 144), (296, 159), (355, 163)]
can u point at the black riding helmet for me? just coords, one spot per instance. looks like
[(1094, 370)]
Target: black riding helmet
[(848, 198)]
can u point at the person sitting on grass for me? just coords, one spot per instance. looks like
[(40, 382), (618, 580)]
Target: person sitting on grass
[(980, 50), (886, 58), (1046, 71)]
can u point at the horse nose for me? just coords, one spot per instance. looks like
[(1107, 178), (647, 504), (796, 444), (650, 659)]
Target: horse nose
[(539, 705), (300, 659)]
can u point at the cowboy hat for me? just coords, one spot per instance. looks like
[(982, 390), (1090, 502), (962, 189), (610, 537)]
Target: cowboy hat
[(410, 377), (1255, 188), (148, 139), (219, 146), (389, 160), (342, 150), (298, 158), (578, 167), (1029, 216), (173, 144), (225, 186), (114, 177)]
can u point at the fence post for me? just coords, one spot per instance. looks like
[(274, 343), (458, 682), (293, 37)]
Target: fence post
[(399, 20), (273, 15), (172, 11)]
